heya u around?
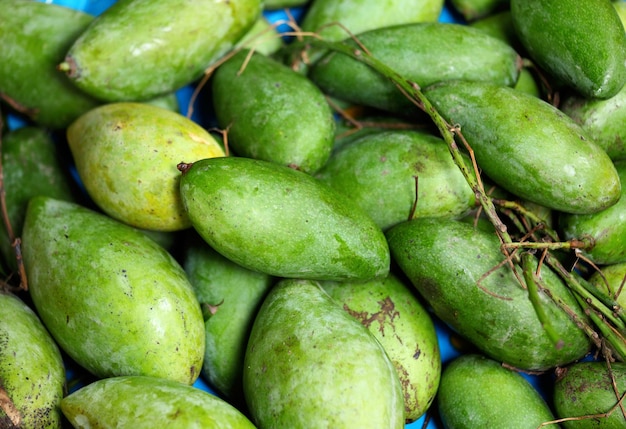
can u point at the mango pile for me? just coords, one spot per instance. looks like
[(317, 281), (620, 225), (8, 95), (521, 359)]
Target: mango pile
[(313, 214)]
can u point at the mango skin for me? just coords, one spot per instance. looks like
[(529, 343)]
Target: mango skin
[(444, 51), (358, 16), (392, 312), (32, 373), (472, 10), (113, 299), (230, 296), (562, 37), (149, 402), (602, 120), (378, 172), (476, 391), (126, 155), (607, 227), (166, 52), (279, 221), (585, 388), (261, 103), (610, 280), (310, 364), (445, 259), (29, 56), (529, 147), (32, 165)]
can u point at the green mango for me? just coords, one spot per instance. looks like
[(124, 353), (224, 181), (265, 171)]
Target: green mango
[(461, 273), (32, 166), (498, 25), (478, 392), (283, 222), (310, 364), (282, 4), (529, 147), (34, 37), (611, 280), (338, 19), (145, 402), (444, 51), (261, 103), (230, 296), (114, 300), (138, 49), (395, 316), (584, 391), (602, 120), (563, 38), (126, 155), (262, 37), (379, 171), (32, 375), (607, 227), (472, 10)]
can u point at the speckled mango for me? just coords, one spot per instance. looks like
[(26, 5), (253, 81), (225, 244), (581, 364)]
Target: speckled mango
[(149, 402), (113, 299), (172, 43), (529, 147), (280, 221), (310, 364), (32, 374), (126, 155)]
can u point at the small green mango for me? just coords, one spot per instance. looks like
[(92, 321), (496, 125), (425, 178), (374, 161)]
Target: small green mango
[(114, 300), (602, 120), (230, 296), (472, 10), (126, 155), (395, 316), (263, 37), (460, 272), (35, 37), (529, 147), (172, 43), (563, 38), (279, 221), (478, 392), (261, 103), (309, 364), (382, 171), (149, 402), (32, 166), (607, 227), (611, 280), (584, 391), (443, 51), (32, 375)]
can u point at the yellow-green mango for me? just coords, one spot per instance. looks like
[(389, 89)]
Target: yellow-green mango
[(478, 392), (32, 374), (587, 389), (113, 299), (444, 51), (607, 228), (581, 44), (280, 221), (393, 313), (126, 155), (261, 103), (379, 172), (461, 273), (145, 402), (32, 165), (310, 364), (35, 37), (230, 296), (138, 49), (529, 147)]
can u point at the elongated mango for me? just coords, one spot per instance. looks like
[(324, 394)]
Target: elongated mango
[(280, 221), (529, 147), (138, 49), (114, 300)]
